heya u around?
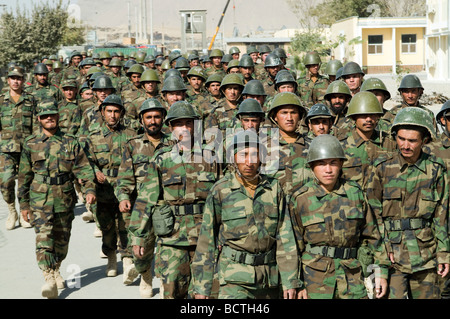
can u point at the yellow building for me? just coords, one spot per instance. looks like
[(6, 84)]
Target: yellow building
[(380, 44)]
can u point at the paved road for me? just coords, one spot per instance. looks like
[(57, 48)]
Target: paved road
[(83, 269)]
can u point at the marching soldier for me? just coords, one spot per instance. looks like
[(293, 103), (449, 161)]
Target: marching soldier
[(43, 89)]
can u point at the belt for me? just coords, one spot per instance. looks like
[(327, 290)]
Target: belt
[(246, 258), (333, 252), (111, 172), (189, 209), (58, 180), (406, 224)]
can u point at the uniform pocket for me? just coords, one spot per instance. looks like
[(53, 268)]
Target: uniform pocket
[(392, 199), (172, 186), (235, 273)]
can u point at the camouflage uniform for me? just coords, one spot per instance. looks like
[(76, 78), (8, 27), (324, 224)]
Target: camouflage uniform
[(388, 118), (312, 92), (132, 110), (46, 92), (411, 204), (175, 188), (329, 228), (47, 170), (221, 117), (69, 116), (249, 239)]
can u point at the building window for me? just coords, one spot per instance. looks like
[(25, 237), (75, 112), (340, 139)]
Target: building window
[(375, 44), (409, 43)]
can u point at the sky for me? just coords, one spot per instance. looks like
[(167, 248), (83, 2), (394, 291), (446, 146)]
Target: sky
[(245, 15)]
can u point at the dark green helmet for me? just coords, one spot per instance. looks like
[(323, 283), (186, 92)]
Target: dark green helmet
[(192, 57), (135, 68), (339, 73), (172, 72), (181, 110), (150, 75), (250, 107), (252, 49), (215, 77), (129, 64), (323, 147), (165, 65), (173, 56), (280, 53), (272, 60), (254, 87), (373, 84), (234, 50), (149, 58), (40, 68), (282, 99), (352, 68), (264, 49), (197, 71), (285, 76), (232, 64), (246, 62), (112, 99), (312, 58), (172, 84), (318, 110), (104, 55), (242, 140), (215, 53), (182, 64), (410, 81), (103, 82), (226, 58), (415, 117), (116, 62), (231, 78), (150, 105), (364, 103), (332, 67), (337, 87), (159, 60), (444, 109)]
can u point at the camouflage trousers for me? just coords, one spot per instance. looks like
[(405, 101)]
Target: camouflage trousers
[(145, 263), (114, 233), (9, 162), (52, 237), (419, 285), (173, 267)]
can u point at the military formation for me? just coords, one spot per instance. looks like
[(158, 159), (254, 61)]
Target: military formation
[(230, 175)]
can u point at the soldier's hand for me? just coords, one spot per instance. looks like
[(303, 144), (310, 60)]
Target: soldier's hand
[(26, 214), (290, 293), (443, 269), (197, 296), (138, 251), (100, 177), (391, 258), (125, 206), (381, 287), (302, 294), (90, 199)]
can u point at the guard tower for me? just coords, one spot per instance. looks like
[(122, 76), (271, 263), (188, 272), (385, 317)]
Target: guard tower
[(192, 22)]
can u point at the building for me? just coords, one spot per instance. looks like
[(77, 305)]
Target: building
[(381, 45), (437, 40)]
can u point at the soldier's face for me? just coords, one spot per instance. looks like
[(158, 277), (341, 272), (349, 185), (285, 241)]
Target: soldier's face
[(150, 86), (87, 94), (254, 56), (152, 122), (411, 96), (247, 161), (233, 70), (288, 87), (182, 129), (15, 82), (287, 118), (353, 81), (102, 94), (366, 123), (235, 56), (216, 61), (111, 114), (136, 79), (251, 123), (273, 70), (70, 93), (232, 92), (313, 69), (338, 102), (196, 82), (380, 96), (76, 60), (320, 126), (260, 98), (327, 172), (214, 89), (246, 72), (49, 122), (115, 69), (106, 61), (193, 63), (174, 96), (41, 78), (410, 144), (445, 121), (264, 55)]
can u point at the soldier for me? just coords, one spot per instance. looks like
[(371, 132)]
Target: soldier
[(183, 66), (353, 76), (196, 80), (171, 201), (115, 71), (150, 61), (233, 67), (216, 65), (338, 96), (57, 73), (313, 86), (136, 156), (134, 89), (263, 52), (173, 90), (319, 120), (84, 67), (331, 219), (284, 82), (212, 86), (377, 87), (411, 91), (246, 232), (43, 90), (235, 53), (408, 191), (247, 68), (50, 160), (194, 60), (331, 69), (254, 89), (104, 147), (17, 109), (105, 58), (272, 65), (227, 58), (72, 70)]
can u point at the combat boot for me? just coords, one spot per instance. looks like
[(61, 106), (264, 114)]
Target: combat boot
[(60, 282), (129, 271), (12, 217), (111, 267), (23, 223), (145, 287), (49, 289), (88, 216)]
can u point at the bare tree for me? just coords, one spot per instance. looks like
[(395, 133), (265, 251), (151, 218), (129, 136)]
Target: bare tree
[(405, 8)]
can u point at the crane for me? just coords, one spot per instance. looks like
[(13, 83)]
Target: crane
[(218, 25)]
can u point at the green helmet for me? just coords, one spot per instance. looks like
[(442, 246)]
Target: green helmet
[(149, 58), (172, 84), (272, 60), (92, 70), (135, 68), (339, 73), (234, 50), (197, 71), (129, 64), (205, 58), (410, 81), (172, 72), (233, 64), (140, 57), (375, 84), (149, 76), (192, 57), (444, 109), (47, 107), (280, 53), (364, 103), (112, 99), (116, 62), (215, 77), (231, 78), (413, 116), (216, 53), (246, 62), (250, 107), (69, 83), (333, 66), (242, 140), (159, 60), (173, 56), (254, 87), (165, 65), (40, 68), (337, 87), (264, 49), (57, 65), (152, 104), (312, 58), (94, 77), (182, 64), (87, 61), (104, 55), (103, 82), (226, 58), (75, 53), (318, 110), (53, 57), (323, 147), (282, 99), (285, 76), (252, 49), (352, 68), (181, 110), (50, 62)]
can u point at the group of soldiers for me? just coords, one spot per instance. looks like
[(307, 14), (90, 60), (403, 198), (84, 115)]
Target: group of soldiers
[(232, 175)]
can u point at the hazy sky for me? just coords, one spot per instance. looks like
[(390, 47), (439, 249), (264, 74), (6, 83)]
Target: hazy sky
[(246, 15)]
